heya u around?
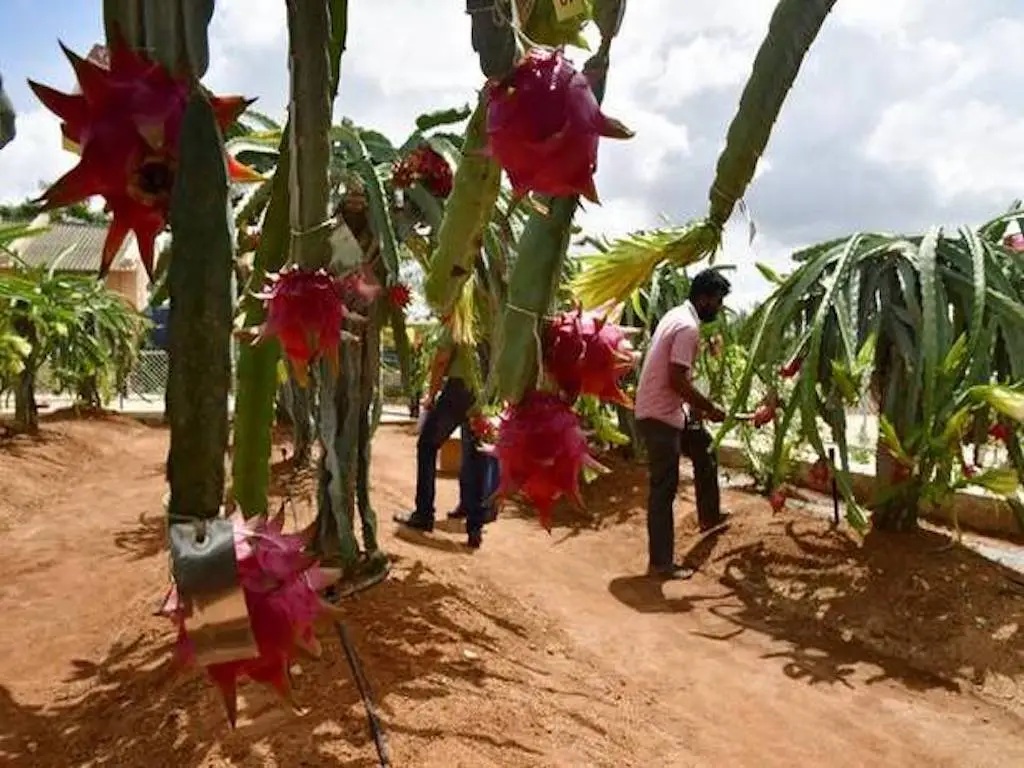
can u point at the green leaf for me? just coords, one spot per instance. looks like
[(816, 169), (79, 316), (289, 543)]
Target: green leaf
[(199, 277), (930, 320), (887, 434), (956, 358), (952, 434), (430, 120), (866, 354), (1009, 402), (469, 208), (845, 382), (769, 274), (7, 118), (1001, 481), (377, 197)]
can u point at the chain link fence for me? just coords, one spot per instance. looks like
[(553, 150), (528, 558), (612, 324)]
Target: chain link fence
[(148, 380)]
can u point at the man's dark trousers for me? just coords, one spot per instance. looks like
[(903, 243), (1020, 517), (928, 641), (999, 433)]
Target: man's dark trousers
[(665, 444), (450, 411)]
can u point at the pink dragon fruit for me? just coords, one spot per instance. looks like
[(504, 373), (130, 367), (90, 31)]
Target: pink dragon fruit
[(281, 585), (541, 452), (586, 355), (543, 126)]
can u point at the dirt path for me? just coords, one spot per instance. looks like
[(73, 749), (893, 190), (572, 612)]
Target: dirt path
[(535, 651)]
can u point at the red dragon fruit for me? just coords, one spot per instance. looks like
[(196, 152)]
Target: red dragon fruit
[(281, 585), (484, 428), (999, 431), (126, 123), (586, 355), (543, 126), (765, 412), (1015, 242), (305, 311), (541, 451), (820, 473), (399, 296), (777, 500), (763, 415), (425, 166), (792, 368)]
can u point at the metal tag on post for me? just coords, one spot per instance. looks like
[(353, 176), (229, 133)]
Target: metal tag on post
[(206, 575), (568, 9)]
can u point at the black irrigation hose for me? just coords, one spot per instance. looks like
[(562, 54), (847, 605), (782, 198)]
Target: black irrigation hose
[(376, 729)]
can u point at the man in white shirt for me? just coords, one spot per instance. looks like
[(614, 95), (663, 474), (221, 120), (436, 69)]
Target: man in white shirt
[(669, 413)]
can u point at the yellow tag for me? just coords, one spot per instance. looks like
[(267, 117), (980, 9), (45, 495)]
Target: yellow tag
[(567, 9), (70, 146)]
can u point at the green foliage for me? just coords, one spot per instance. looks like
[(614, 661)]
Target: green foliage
[(911, 322), (86, 334), (793, 28)]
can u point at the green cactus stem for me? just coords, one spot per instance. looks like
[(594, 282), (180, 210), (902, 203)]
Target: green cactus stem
[(257, 365), (468, 210), (199, 279), (534, 280)]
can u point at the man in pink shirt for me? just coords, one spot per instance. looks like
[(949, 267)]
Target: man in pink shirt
[(670, 412)]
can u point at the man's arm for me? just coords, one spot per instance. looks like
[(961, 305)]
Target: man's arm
[(679, 376), (681, 359), (438, 368)]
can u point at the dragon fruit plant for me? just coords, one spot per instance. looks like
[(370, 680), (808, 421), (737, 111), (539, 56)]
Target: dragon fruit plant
[(584, 354), (126, 123), (544, 124), (281, 583), (424, 166), (542, 451), (305, 312)]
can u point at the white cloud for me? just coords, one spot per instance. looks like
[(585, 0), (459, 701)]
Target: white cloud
[(965, 149), (964, 139), (705, 63), (618, 216), (34, 157), (899, 118), (880, 17)]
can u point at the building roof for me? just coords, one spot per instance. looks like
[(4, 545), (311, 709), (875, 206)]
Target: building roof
[(85, 241)]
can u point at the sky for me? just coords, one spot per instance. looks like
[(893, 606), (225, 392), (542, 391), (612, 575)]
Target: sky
[(902, 117)]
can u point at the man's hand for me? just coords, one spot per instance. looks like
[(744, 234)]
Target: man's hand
[(716, 415)]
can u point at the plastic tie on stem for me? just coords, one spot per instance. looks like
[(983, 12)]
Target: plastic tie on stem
[(535, 318), (300, 234)]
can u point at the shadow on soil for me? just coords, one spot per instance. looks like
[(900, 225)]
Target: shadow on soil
[(913, 606), (944, 614), (147, 539), (142, 709), (609, 500)]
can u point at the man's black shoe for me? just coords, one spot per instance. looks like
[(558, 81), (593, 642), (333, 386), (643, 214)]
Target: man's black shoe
[(672, 573), (459, 514), (723, 519), (416, 522)]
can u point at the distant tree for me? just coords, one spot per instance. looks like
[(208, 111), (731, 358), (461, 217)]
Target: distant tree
[(7, 117), (28, 209)]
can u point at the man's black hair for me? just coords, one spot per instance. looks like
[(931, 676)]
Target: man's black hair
[(711, 283)]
